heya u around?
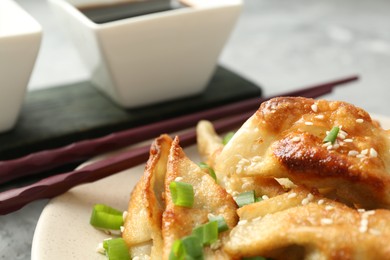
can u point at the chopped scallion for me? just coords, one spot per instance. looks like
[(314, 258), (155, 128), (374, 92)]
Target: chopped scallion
[(116, 249), (182, 194), (193, 246), (227, 137), (258, 199), (245, 198), (332, 135), (189, 247), (210, 170), (207, 233), (106, 217), (177, 250), (222, 226)]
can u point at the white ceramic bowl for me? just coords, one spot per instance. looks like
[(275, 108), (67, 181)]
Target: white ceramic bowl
[(155, 57), (20, 38)]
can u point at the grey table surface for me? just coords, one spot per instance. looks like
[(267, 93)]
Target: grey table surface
[(279, 44)]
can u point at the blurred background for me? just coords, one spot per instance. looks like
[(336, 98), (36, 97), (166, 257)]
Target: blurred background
[(278, 44)]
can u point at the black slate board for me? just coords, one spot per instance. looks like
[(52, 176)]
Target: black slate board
[(61, 115)]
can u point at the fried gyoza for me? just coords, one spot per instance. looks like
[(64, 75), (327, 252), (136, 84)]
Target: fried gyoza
[(284, 139), (210, 146), (153, 222), (142, 227), (209, 198), (304, 225)]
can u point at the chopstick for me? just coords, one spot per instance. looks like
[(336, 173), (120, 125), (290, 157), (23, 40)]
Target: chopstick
[(52, 186), (49, 159)]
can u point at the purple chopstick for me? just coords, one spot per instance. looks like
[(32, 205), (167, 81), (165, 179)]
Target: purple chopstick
[(14, 199), (49, 159)]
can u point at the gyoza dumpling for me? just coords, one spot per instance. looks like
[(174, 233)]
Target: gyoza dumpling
[(304, 225), (284, 139), (210, 146), (209, 198), (142, 227)]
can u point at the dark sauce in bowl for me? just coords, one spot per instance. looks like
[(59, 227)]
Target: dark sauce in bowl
[(104, 13)]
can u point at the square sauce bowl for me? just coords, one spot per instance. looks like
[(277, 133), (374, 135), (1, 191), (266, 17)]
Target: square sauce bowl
[(20, 39), (144, 52)]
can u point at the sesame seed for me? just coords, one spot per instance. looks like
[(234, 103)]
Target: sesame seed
[(360, 156), (256, 219), (342, 132), (178, 178), (319, 116), (327, 144), (373, 153), (305, 201), (296, 139), (314, 107), (359, 120), (320, 202), (308, 123), (336, 145), (124, 215), (100, 249), (353, 153), (326, 221), (368, 213), (341, 136), (292, 195), (361, 210), (329, 147), (363, 228), (348, 140), (122, 228), (329, 207), (364, 152), (308, 198), (264, 197)]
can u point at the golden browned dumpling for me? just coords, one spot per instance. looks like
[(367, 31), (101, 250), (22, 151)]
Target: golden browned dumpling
[(209, 198), (142, 227), (304, 225), (284, 139), (210, 146)]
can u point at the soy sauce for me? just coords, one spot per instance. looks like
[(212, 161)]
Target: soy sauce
[(112, 12)]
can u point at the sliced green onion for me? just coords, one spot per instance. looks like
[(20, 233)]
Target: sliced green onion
[(187, 248), (222, 226), (192, 246), (258, 199), (177, 250), (116, 249), (210, 170), (332, 135), (207, 233), (105, 217), (227, 137), (245, 198), (182, 194)]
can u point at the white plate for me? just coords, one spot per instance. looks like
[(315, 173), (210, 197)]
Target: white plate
[(63, 230)]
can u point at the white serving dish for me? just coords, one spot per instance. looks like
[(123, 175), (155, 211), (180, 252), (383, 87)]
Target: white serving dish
[(63, 231), (20, 38), (155, 57)]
